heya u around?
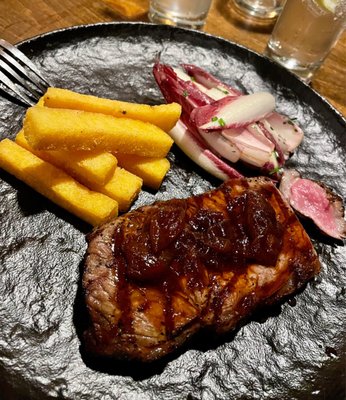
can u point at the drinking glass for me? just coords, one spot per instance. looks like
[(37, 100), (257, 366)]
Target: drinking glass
[(304, 34), (262, 9), (184, 13)]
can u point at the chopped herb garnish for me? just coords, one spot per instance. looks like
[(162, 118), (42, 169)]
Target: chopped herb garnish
[(222, 90), (219, 120), (222, 122), (185, 93), (291, 120), (193, 79), (274, 170)]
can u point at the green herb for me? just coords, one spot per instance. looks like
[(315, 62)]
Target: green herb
[(193, 79), (290, 120), (219, 120), (222, 122), (222, 90), (185, 93), (274, 170)]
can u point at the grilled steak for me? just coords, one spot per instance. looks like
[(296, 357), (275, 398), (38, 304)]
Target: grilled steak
[(155, 276), (316, 201)]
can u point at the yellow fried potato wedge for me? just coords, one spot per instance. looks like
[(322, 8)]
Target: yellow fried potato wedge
[(56, 185), (165, 116), (123, 187), (85, 166), (151, 169), (60, 129)]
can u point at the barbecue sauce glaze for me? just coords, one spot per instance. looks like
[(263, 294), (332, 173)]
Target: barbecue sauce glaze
[(188, 237)]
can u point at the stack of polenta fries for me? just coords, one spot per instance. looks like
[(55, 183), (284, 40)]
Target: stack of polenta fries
[(91, 155)]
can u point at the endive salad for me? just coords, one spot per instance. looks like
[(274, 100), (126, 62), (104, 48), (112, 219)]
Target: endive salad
[(221, 126)]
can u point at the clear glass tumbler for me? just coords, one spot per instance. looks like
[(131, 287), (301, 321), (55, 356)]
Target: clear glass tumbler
[(305, 32), (262, 9), (184, 13)]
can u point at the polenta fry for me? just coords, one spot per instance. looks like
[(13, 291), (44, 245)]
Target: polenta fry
[(59, 129), (56, 185), (165, 116), (85, 166), (151, 169), (123, 187)]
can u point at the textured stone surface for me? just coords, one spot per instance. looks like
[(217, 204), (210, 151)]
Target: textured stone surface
[(293, 351)]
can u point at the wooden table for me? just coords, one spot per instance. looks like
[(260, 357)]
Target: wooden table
[(22, 19)]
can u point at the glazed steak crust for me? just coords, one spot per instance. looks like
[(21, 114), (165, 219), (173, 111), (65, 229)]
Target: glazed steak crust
[(155, 276)]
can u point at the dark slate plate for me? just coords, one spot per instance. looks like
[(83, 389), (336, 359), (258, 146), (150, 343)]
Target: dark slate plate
[(294, 351)]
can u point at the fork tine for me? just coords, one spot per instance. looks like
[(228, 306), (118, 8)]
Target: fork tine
[(11, 66), (16, 90), (11, 73), (17, 70), (20, 75), (18, 55)]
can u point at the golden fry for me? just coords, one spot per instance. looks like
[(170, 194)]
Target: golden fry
[(59, 129), (123, 187), (85, 166), (165, 116), (56, 185), (151, 169)]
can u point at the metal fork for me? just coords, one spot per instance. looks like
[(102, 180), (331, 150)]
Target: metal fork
[(19, 75)]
